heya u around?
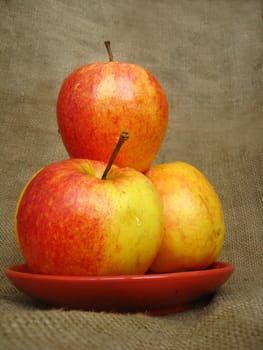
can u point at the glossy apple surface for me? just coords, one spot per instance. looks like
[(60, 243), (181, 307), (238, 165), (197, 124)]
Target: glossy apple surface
[(98, 101), (193, 218), (71, 222)]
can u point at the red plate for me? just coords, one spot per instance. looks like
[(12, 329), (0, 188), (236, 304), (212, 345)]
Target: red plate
[(155, 294)]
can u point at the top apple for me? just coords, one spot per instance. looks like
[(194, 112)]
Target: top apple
[(98, 101)]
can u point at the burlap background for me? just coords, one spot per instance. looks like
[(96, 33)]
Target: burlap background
[(208, 57)]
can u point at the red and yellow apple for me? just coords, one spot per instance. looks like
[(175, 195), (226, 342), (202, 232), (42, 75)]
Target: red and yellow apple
[(99, 100), (70, 221), (193, 218)]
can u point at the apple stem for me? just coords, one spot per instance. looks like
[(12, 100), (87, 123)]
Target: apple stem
[(108, 47), (123, 137)]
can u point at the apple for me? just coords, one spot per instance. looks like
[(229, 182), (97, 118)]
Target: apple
[(75, 217), (99, 100), (193, 218)]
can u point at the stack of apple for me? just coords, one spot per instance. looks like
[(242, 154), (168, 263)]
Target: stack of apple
[(106, 211)]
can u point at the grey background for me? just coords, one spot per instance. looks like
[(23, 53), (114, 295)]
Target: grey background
[(208, 57)]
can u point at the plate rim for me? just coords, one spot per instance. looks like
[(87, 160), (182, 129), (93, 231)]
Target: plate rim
[(216, 267)]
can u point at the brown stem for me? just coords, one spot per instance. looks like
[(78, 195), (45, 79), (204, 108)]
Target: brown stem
[(108, 47), (123, 137)]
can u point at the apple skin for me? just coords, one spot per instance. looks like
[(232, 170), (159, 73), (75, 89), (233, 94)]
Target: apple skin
[(193, 218), (70, 222), (98, 101)]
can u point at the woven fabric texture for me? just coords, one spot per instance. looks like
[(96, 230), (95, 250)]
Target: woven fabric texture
[(208, 57)]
